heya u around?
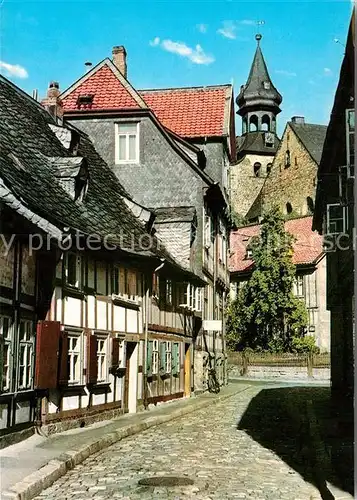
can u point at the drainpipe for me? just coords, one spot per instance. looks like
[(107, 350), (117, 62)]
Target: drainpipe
[(146, 333)]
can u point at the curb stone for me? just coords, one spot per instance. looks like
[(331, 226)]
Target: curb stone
[(32, 485)]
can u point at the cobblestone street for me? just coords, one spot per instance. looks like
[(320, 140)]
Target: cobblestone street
[(205, 446)]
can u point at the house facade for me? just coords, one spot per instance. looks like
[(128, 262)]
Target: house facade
[(310, 283), (334, 219), (171, 150), (92, 323)]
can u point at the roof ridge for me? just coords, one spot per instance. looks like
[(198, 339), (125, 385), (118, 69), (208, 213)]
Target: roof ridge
[(211, 87), (24, 94)]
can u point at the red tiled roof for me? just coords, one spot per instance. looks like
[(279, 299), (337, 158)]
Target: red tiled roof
[(190, 112), (109, 92), (307, 247)]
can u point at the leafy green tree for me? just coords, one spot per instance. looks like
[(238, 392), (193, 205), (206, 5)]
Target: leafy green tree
[(266, 314)]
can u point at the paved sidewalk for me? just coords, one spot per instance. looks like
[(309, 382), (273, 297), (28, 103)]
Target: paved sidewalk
[(34, 464)]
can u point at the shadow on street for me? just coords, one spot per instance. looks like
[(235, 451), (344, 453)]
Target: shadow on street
[(303, 428)]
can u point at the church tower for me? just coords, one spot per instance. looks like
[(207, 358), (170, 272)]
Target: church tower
[(258, 104)]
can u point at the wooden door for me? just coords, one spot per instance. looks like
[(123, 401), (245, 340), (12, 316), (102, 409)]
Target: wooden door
[(187, 370)]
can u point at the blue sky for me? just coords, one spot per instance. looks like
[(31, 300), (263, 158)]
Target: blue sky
[(181, 43)]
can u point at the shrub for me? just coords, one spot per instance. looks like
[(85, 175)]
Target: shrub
[(304, 344)]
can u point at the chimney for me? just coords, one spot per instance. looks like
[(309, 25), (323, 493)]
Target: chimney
[(52, 103), (300, 120), (119, 59)]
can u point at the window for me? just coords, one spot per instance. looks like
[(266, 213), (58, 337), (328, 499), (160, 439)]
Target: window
[(257, 167), (296, 161), (5, 337), (73, 270), (310, 205), (193, 232), (199, 299), (287, 159), (155, 356), (249, 253), (299, 286), (102, 349), (289, 208), (175, 358), (126, 142), (168, 292), (75, 353), (115, 281), (168, 358), (26, 352), (269, 168), (253, 123), (266, 123), (336, 219), (208, 230), (350, 134), (131, 284)]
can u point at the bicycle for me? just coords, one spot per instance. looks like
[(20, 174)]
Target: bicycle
[(212, 382)]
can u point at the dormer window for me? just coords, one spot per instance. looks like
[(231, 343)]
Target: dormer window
[(249, 253), (266, 85), (127, 142), (85, 101), (72, 174)]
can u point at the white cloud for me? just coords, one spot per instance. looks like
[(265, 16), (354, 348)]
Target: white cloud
[(14, 70), (248, 22), (202, 28), (196, 55), (327, 71), (284, 72), (228, 30), (155, 41)]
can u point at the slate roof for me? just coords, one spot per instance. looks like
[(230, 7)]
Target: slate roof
[(174, 214), (193, 111), (312, 136), (28, 146), (255, 92), (307, 247), (254, 142)]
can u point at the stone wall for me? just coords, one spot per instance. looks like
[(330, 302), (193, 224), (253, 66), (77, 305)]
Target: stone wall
[(298, 373), (244, 184), (293, 184)]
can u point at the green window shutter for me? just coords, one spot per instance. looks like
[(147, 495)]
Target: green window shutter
[(175, 364), (149, 360), (162, 357)]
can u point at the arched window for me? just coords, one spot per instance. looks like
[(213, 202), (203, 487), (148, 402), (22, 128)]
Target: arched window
[(253, 123), (266, 123), (257, 167), (310, 205), (245, 126), (289, 208), (269, 168)]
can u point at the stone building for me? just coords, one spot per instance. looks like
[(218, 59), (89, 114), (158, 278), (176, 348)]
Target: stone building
[(334, 219), (291, 183), (258, 103), (310, 260), (171, 150)]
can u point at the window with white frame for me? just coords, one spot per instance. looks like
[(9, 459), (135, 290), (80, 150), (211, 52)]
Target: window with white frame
[(102, 358), (299, 286), (26, 353), (336, 219), (126, 142), (155, 357), (168, 358), (75, 357), (199, 299), (73, 269), (5, 333)]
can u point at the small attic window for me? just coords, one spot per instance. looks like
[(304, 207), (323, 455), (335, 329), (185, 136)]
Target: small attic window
[(249, 253), (85, 101)]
